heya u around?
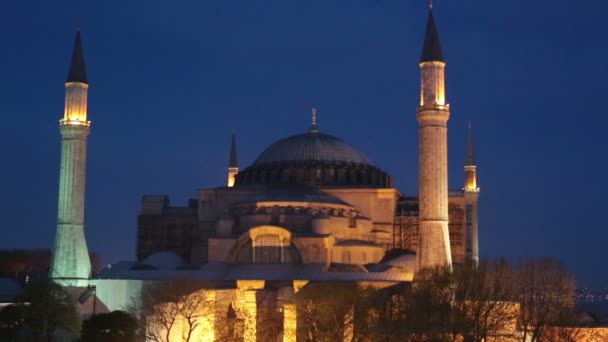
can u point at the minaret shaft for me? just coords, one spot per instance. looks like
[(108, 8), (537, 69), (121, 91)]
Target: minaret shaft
[(71, 265), (433, 115)]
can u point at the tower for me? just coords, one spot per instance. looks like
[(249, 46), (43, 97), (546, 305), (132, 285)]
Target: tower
[(433, 114), (233, 165), (471, 196), (71, 265)]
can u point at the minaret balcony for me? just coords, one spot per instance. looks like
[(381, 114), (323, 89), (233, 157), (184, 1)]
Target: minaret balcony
[(64, 122)]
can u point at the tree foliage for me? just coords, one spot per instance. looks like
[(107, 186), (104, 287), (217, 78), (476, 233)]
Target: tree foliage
[(48, 307), (470, 302), (112, 326), (11, 320), (165, 303)]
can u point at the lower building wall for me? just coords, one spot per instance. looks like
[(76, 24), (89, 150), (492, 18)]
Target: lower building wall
[(113, 294)]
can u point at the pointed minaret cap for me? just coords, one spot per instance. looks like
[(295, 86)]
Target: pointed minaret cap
[(233, 161), (431, 52), (470, 155), (313, 127), (78, 72)]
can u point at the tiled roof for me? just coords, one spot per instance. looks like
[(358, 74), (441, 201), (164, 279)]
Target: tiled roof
[(311, 147)]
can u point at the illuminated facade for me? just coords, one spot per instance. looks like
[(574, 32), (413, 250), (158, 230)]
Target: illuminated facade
[(310, 209)]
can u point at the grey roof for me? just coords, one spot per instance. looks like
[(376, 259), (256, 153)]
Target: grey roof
[(432, 47), (312, 147), (221, 272), (78, 71), (470, 153), (312, 272), (294, 195), (233, 162), (357, 243)]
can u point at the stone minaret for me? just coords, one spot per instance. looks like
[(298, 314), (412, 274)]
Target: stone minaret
[(71, 265), (471, 195), (233, 165), (433, 114)]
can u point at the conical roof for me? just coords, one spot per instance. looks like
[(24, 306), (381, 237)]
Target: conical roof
[(470, 154), (78, 71), (431, 50), (233, 160)]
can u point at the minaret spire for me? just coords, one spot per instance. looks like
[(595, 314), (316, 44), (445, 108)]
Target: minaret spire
[(431, 50), (71, 265), (470, 154), (471, 195), (233, 165), (78, 71), (313, 127)]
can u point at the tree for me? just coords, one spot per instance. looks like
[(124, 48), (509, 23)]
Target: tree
[(47, 307), (483, 299), (167, 302), (325, 308), (546, 293), (113, 326), (231, 326), (11, 320), (428, 312)]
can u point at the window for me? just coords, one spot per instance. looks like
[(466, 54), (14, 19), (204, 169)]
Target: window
[(268, 249), (346, 257)]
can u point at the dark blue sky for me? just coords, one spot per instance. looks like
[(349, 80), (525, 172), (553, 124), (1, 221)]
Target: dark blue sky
[(170, 80)]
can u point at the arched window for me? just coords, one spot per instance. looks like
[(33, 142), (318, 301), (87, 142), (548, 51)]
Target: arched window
[(346, 257), (268, 249)]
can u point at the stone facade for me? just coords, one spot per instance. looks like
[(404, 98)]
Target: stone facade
[(161, 227)]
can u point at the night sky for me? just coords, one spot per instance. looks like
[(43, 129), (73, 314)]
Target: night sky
[(169, 80)]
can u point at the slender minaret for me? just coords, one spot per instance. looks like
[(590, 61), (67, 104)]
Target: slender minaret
[(471, 195), (433, 114), (233, 165), (71, 265)]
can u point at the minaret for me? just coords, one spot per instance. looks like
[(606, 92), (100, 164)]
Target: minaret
[(471, 195), (71, 265), (433, 114), (233, 165)]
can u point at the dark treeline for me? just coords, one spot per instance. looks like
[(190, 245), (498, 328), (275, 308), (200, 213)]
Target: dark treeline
[(533, 300), (492, 301)]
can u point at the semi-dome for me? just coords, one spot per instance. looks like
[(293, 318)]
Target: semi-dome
[(312, 147), (313, 159)]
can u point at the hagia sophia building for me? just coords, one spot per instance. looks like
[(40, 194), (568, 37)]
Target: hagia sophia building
[(310, 208)]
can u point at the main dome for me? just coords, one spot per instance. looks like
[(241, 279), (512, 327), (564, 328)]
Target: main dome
[(313, 159), (312, 147)]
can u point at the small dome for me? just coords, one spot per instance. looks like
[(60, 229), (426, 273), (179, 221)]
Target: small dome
[(404, 261), (312, 147), (163, 261)]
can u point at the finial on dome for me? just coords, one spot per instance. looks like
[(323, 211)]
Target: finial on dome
[(313, 128), (430, 4)]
